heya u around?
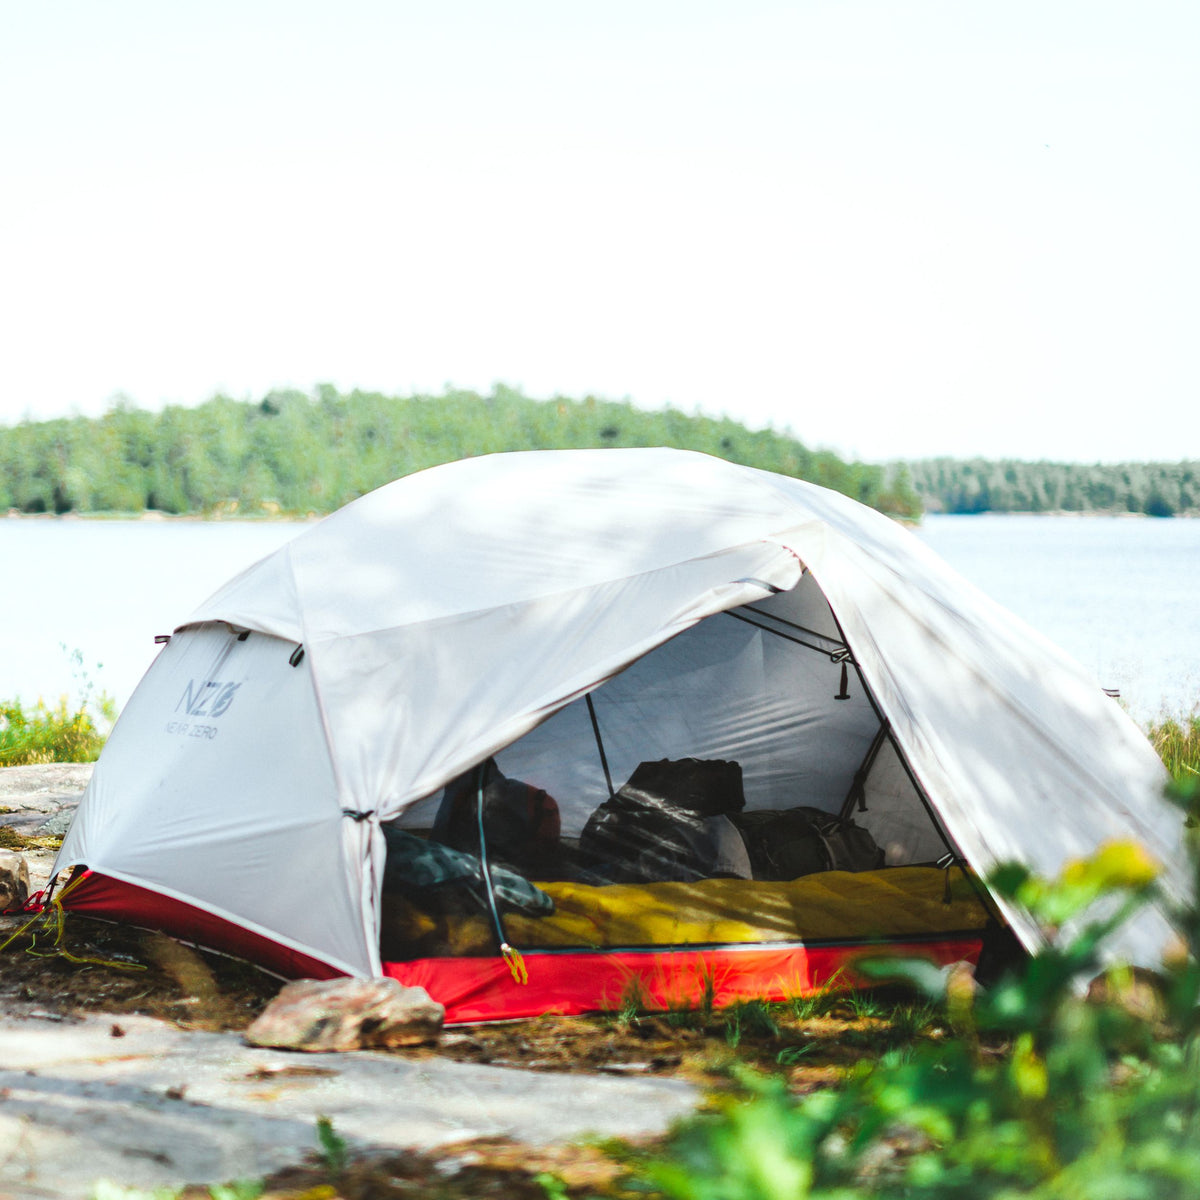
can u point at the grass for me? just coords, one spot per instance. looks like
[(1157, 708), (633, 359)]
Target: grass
[(749, 1017), (1178, 745), (48, 733), (63, 731)]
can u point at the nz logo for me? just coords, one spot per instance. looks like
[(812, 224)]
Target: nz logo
[(207, 698)]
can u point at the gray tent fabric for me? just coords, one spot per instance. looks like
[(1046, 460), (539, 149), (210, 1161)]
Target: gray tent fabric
[(705, 608)]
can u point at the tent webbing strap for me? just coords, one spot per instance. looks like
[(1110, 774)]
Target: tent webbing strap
[(600, 745), (512, 956), (834, 652)]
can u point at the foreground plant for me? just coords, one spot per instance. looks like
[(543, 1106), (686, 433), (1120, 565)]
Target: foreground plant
[(1043, 1093)]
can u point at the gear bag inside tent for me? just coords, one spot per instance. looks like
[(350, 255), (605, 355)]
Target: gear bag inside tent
[(534, 767)]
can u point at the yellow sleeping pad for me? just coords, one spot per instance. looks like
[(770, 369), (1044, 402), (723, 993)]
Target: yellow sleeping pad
[(829, 906)]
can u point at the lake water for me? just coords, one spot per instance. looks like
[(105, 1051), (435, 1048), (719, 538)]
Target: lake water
[(1120, 594)]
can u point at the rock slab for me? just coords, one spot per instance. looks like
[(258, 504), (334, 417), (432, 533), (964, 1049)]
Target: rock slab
[(14, 880), (161, 1106), (321, 1015)]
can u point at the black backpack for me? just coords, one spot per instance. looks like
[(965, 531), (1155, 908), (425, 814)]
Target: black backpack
[(788, 843), (520, 822), (669, 821)]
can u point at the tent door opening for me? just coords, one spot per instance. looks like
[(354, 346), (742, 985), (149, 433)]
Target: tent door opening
[(727, 789)]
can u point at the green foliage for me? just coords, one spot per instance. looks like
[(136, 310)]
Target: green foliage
[(66, 731), (298, 454), (1006, 485), (334, 1151), (1043, 1094), (634, 1001), (751, 1017), (59, 732), (552, 1185), (1178, 745), (105, 1190), (807, 1005), (241, 1189)]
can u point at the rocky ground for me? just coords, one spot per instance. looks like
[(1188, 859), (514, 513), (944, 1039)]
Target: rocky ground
[(121, 1058), (36, 806)]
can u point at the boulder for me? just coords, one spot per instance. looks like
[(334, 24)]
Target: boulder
[(347, 1014), (14, 880)]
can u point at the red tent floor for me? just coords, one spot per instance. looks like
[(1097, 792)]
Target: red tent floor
[(564, 982)]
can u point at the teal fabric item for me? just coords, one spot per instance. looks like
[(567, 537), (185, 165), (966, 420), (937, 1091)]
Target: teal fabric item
[(415, 863)]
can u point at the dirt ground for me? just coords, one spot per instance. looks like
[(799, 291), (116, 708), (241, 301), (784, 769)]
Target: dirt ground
[(102, 968), (99, 967), (94, 967)]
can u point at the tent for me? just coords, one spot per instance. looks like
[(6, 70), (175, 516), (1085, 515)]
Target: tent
[(565, 616)]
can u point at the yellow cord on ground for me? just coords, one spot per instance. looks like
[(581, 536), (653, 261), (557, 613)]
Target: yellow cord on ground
[(54, 910), (516, 964)]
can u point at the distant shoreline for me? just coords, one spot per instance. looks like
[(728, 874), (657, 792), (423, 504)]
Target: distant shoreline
[(154, 516), (1063, 512)]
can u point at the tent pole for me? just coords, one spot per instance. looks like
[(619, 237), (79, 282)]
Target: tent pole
[(787, 637), (856, 795), (947, 840), (600, 745)]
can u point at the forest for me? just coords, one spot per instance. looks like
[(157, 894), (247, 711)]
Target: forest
[(1005, 485), (293, 453)]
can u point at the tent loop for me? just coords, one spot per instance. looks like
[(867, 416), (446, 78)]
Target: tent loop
[(357, 814), (947, 863), (297, 656), (762, 583), (843, 657)]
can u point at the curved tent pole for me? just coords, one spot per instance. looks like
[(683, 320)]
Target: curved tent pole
[(600, 745), (837, 647), (857, 793)]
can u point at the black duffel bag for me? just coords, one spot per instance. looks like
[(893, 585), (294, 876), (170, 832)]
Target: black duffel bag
[(669, 821), (788, 843)]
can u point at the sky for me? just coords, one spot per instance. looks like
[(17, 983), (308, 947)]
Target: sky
[(898, 230)]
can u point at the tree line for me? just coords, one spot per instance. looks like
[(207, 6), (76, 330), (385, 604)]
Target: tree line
[(297, 453), (1005, 485)]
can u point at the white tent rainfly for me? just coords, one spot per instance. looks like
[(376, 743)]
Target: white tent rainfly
[(535, 729)]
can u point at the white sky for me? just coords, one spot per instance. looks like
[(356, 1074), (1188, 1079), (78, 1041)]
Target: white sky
[(901, 229)]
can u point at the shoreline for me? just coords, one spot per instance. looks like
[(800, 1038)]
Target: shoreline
[(154, 515), (278, 516)]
